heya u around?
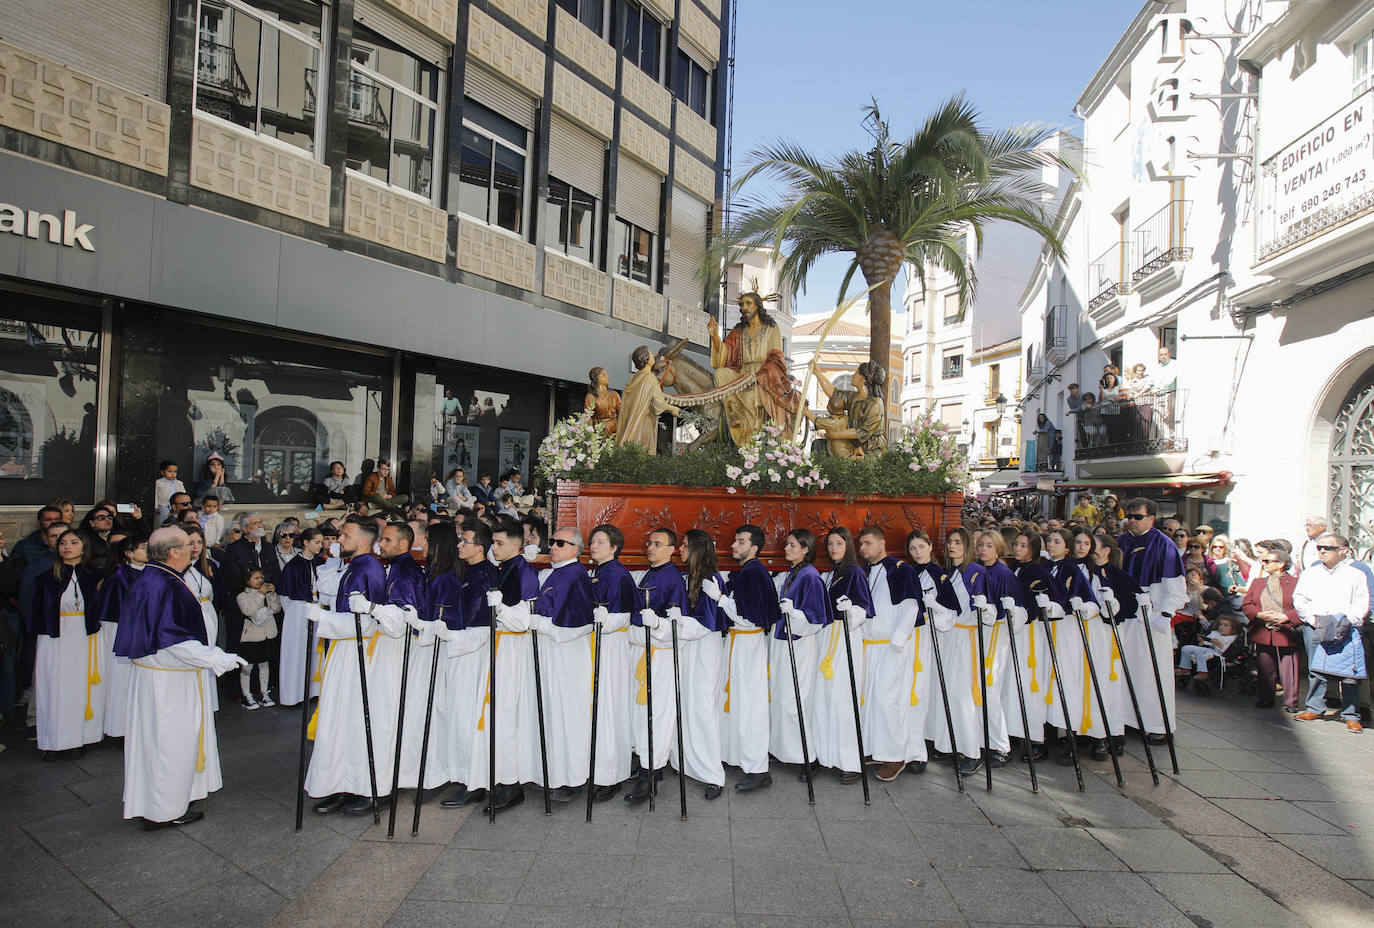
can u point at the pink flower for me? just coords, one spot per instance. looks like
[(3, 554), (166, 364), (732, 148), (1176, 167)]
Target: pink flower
[(731, 490)]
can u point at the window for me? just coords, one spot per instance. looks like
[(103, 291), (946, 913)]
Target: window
[(691, 84), (393, 114), (916, 313), (952, 364), (491, 185), (1168, 338), (994, 380), (643, 38), (953, 308), (915, 368), (952, 416), (635, 255), (258, 67), (1361, 56), (590, 13), (571, 217)]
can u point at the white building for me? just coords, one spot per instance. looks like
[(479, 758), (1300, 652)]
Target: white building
[(1224, 213), (994, 412), (759, 270)]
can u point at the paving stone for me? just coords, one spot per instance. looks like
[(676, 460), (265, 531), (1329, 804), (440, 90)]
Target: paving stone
[(592, 880), (892, 888), (1005, 897), (290, 873), (961, 846), (860, 841), (434, 913), (1294, 881), (466, 875), (669, 836), (229, 903), (834, 920), (1277, 817), (1115, 899), (561, 916), (776, 838), (1061, 848), (1224, 900), (690, 886), (1223, 784), (787, 887), (1150, 850)]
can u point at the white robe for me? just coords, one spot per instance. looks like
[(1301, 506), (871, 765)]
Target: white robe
[(459, 700), (744, 702), (664, 707), (64, 670), (830, 725), (204, 592), (959, 651), (701, 654), (171, 755), (889, 657), (565, 665), (437, 771), (784, 732), (114, 680), (291, 667), (515, 719), (614, 727)]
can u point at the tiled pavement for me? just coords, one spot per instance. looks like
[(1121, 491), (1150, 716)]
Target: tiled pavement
[(1269, 823)]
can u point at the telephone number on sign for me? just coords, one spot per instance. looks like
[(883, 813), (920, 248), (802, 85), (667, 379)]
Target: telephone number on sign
[(1333, 190)]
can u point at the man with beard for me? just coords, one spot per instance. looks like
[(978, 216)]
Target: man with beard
[(339, 775), (753, 346), (660, 588)]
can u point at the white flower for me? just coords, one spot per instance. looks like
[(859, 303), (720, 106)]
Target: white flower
[(731, 490)]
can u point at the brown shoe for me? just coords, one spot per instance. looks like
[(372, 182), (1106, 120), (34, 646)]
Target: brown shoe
[(1308, 716), (891, 771), (1354, 727)]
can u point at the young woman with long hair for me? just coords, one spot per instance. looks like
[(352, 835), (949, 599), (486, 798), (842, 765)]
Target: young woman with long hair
[(128, 556), (68, 697), (700, 634)]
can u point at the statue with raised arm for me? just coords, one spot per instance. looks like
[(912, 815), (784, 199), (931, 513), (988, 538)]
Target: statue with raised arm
[(753, 346), (854, 427), (641, 403)]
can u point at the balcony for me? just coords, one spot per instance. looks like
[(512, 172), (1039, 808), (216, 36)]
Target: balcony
[(1109, 282), (1057, 334), (1160, 249), (366, 104), (1150, 423)]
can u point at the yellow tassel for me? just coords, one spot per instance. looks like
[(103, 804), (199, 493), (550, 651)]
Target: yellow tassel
[(641, 677), (1087, 703), (729, 669), (916, 669), (828, 662), (91, 676), (319, 659), (320, 669), (372, 645), (486, 700), (1049, 689), (973, 657), (314, 723), (992, 651), (93, 659), (200, 744), (1116, 656), (1030, 660)]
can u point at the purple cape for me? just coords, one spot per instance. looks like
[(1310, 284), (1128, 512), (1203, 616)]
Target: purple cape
[(993, 582), (944, 590), (1035, 578), (614, 588), (113, 589), (159, 611), (1150, 558), (478, 579), (44, 618), (517, 581), (706, 611), (803, 585), (566, 597), (665, 586), (297, 579), (853, 583), (1123, 586), (446, 589), (405, 584), (364, 574), (901, 580), (755, 597)]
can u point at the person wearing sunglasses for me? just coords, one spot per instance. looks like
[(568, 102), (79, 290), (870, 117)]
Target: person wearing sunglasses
[(1333, 600), (1155, 563), (1275, 629)]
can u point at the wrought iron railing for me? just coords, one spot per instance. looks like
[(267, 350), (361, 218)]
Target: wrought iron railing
[(1159, 240), (217, 69), (1142, 424), (1057, 327), (1110, 275), (364, 103)]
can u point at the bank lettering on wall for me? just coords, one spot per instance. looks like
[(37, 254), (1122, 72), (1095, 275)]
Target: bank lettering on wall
[(66, 230)]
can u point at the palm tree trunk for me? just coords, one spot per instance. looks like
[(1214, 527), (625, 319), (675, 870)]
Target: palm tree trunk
[(880, 339)]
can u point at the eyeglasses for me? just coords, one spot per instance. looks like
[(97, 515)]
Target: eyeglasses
[(1195, 547), (287, 535), (102, 517), (1328, 547), (560, 542), (1133, 516), (1218, 547)]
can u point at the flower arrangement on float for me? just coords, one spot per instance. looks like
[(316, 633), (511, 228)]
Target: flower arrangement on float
[(772, 462), (572, 448)]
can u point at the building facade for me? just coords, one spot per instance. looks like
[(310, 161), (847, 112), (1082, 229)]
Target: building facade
[(291, 232), (994, 401)]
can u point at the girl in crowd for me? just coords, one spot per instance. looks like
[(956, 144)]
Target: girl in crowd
[(940, 607), (836, 742), (128, 557), (296, 591), (96, 528), (202, 579), (702, 655), (1038, 687), (801, 595), (259, 603), (961, 660), (989, 577), (69, 700), (1083, 711)]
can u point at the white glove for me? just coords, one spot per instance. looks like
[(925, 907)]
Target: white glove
[(530, 551), (928, 600), (943, 619), (391, 619), (742, 624), (844, 604), (987, 614), (227, 662), (711, 588), (357, 602), (601, 615), (1144, 600), (1077, 605), (649, 618), (1018, 617), (414, 621), (436, 629), (493, 598), (785, 604), (1008, 603), (537, 622), (1051, 608), (512, 618), (1110, 603), (856, 615), (674, 614)]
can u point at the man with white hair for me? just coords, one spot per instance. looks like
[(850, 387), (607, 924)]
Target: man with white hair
[(1308, 556), (171, 756), (1332, 599)]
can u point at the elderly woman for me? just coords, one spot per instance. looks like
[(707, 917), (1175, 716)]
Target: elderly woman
[(1274, 627), (1227, 575)]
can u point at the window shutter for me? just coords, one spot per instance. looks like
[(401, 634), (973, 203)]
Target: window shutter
[(576, 156), (638, 190), (374, 15), (500, 95), (120, 41), (688, 247)]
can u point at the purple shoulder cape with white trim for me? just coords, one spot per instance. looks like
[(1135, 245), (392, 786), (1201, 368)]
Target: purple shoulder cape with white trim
[(614, 588), (901, 580), (706, 611), (517, 581), (1150, 558), (44, 614), (445, 589), (1035, 578), (159, 611), (566, 597), (853, 583), (755, 597), (364, 574), (804, 586), (478, 579), (666, 587)]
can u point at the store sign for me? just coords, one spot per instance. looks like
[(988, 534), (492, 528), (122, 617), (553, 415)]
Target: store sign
[(1323, 175), (35, 225)]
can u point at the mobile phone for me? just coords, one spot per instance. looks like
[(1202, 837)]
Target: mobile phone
[(124, 507)]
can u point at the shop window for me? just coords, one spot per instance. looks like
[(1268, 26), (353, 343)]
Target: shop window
[(491, 184), (643, 42), (258, 67), (393, 114), (590, 13), (571, 217), (277, 411), (486, 422), (691, 84), (49, 366), (635, 256)]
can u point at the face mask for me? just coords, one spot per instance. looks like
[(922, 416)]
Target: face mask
[(333, 549), (531, 552)]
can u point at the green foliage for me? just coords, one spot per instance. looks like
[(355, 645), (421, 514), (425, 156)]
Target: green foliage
[(886, 474), (704, 467)]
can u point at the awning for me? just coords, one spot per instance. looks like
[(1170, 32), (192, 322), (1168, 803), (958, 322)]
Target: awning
[(1007, 476), (1168, 483)]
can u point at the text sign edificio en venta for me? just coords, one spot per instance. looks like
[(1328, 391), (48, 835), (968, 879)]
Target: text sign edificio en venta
[(1327, 168)]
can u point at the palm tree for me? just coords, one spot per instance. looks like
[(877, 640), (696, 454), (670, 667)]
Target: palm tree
[(911, 201)]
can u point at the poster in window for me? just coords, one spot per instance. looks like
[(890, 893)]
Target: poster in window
[(461, 444), (515, 453), (24, 415), (485, 407)]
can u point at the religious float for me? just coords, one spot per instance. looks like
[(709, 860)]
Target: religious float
[(744, 466)]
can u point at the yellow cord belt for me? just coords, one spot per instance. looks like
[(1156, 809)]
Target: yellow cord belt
[(863, 695), (828, 662), (92, 665), (200, 692), (315, 716), (973, 658), (486, 700), (916, 667), (730, 655)]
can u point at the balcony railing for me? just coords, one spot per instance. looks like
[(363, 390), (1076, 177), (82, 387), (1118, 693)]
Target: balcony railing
[(218, 69), (1110, 275), (1159, 240), (1057, 327), (1148, 423), (364, 105)]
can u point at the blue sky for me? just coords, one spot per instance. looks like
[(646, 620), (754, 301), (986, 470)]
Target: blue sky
[(802, 72)]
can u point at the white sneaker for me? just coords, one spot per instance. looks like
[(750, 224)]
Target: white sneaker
[(250, 703), (267, 700)]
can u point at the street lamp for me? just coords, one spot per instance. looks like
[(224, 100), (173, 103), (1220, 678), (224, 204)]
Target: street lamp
[(1001, 403)]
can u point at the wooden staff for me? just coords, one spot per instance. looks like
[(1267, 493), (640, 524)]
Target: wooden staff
[(424, 741)]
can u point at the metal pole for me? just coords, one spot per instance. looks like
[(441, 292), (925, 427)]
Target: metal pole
[(944, 696), (801, 721), (1159, 685), (424, 741), (1063, 700), (400, 724), (1135, 700), (539, 708), (305, 726), (1021, 698), (1097, 690), (367, 716), (649, 704), (681, 751)]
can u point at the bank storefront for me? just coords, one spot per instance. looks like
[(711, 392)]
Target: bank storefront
[(133, 330)]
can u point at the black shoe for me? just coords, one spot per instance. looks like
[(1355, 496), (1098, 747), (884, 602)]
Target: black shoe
[(463, 796), (815, 766), (1160, 738), (1292, 710), (331, 803), (846, 776), (1117, 744), (1066, 756), (186, 818), (360, 804), (713, 791), (1099, 751), (565, 793), (915, 766), (605, 792), (639, 792), (1037, 752), (968, 766), (753, 781), (507, 796), (1000, 758)]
